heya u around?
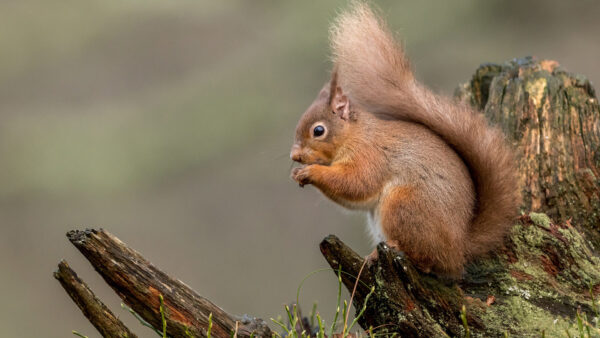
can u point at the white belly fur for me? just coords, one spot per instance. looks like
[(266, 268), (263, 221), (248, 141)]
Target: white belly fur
[(374, 228), (373, 222)]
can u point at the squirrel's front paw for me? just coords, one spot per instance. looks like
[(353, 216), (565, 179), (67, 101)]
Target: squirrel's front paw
[(301, 175)]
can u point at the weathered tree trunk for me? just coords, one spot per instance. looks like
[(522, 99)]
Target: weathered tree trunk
[(552, 119), (543, 279), (548, 270)]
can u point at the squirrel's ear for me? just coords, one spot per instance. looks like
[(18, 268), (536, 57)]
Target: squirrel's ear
[(340, 104)]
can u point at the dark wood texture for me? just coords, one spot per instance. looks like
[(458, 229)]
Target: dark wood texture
[(399, 290), (93, 309)]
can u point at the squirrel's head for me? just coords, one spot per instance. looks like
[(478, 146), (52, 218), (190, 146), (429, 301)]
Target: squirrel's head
[(324, 127)]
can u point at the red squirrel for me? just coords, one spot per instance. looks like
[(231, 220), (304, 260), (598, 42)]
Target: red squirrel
[(437, 182)]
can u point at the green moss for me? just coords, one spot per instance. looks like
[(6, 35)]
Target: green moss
[(540, 219), (523, 319), (530, 297)]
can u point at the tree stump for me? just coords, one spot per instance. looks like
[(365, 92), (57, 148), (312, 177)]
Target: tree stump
[(551, 117)]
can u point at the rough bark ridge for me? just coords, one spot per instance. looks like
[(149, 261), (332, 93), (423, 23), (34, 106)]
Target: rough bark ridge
[(552, 119), (545, 276)]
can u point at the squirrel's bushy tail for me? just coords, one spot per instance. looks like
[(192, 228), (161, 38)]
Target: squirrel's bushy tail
[(374, 72)]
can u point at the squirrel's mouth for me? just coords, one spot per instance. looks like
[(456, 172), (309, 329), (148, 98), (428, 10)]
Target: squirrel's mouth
[(307, 156)]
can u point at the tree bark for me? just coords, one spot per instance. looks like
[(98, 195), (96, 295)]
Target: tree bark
[(552, 119), (535, 284), (94, 310)]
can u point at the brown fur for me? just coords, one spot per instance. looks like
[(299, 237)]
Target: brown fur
[(438, 181)]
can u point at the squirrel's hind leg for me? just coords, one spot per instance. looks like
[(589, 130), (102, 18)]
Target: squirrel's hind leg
[(411, 223)]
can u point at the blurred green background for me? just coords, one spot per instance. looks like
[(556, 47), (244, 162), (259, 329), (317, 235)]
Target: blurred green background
[(169, 124)]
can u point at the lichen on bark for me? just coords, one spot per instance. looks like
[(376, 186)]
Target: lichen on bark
[(539, 281)]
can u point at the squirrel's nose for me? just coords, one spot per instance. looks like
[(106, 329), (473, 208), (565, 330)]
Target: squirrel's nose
[(296, 154)]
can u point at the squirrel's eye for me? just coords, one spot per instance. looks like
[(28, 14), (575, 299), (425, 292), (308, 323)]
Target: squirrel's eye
[(318, 130)]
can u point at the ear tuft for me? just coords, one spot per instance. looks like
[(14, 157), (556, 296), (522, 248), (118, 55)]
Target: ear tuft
[(332, 85), (338, 101)]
